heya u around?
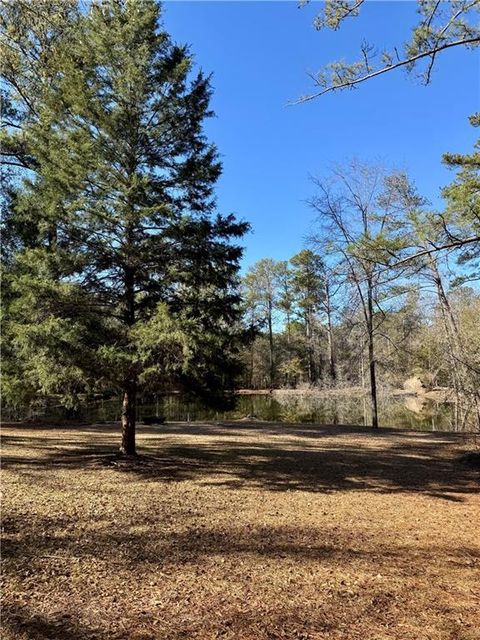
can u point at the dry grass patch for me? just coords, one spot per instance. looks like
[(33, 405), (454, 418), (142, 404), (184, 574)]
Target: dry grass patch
[(239, 531)]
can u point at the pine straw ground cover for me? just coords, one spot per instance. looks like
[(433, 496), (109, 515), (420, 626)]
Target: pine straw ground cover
[(239, 531)]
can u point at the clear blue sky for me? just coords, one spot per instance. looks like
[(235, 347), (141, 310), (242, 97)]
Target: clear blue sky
[(259, 53)]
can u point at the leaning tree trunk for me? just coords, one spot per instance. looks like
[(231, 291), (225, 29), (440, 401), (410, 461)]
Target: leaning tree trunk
[(464, 380), (129, 407)]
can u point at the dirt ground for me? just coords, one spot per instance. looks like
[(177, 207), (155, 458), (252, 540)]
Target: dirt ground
[(239, 531)]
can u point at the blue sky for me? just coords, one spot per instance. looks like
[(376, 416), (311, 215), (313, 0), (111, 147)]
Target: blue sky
[(259, 54)]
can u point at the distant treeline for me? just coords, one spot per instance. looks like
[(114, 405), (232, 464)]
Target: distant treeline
[(120, 277), (385, 290)]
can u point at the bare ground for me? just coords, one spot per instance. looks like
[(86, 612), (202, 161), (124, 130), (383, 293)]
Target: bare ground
[(239, 531)]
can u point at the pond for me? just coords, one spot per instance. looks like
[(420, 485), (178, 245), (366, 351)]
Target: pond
[(403, 412)]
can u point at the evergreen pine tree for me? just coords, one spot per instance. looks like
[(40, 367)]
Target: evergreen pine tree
[(461, 221), (142, 271)]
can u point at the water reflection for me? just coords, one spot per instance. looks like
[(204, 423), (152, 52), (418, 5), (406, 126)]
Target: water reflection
[(408, 412), (348, 408), (404, 412)]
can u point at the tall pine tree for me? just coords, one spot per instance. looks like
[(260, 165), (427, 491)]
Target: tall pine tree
[(142, 271)]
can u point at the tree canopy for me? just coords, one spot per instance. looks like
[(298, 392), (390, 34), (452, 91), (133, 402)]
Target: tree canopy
[(119, 270)]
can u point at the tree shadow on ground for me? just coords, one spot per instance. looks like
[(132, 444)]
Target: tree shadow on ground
[(175, 540), (168, 548), (155, 555), (23, 622), (267, 456)]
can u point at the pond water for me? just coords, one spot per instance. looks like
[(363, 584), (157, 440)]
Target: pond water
[(404, 412)]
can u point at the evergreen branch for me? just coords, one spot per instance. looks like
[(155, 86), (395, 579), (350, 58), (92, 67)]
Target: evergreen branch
[(10, 163), (346, 84), (5, 123), (22, 95), (441, 34), (434, 249)]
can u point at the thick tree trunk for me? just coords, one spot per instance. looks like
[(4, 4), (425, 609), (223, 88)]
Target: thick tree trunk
[(129, 407)]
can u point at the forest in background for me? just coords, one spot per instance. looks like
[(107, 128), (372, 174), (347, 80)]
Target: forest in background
[(274, 515), (119, 276), (372, 301)]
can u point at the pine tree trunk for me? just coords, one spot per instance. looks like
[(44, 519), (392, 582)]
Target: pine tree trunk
[(129, 407), (371, 358), (373, 383), (312, 377), (331, 348), (249, 382), (331, 354), (270, 340), (129, 404), (362, 379), (252, 366), (52, 243)]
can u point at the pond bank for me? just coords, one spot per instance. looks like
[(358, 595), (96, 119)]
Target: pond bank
[(438, 394)]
